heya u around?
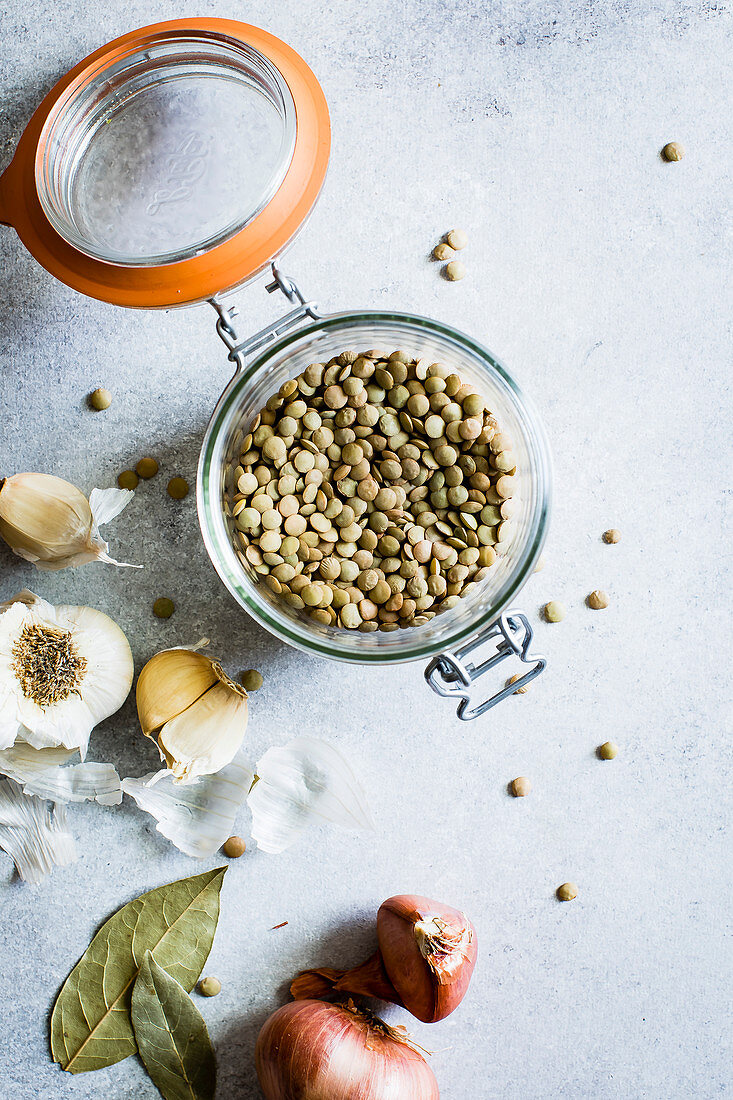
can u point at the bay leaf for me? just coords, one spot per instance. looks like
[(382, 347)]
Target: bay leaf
[(90, 1024), (171, 1036)]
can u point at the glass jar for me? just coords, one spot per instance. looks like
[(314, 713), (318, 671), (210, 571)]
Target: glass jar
[(177, 163), (261, 375)]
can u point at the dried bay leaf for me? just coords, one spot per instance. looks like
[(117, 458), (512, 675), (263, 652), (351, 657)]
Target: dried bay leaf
[(90, 1024), (171, 1036)]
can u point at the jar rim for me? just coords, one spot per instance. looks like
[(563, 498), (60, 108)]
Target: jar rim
[(115, 84), (218, 543)]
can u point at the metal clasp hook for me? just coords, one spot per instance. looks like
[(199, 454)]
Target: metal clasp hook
[(452, 676), (238, 351)]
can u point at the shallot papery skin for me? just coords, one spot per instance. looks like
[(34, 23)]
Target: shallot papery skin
[(310, 1050), (427, 953)]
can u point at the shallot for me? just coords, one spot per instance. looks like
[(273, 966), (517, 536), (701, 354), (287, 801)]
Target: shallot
[(338, 1052), (427, 952)]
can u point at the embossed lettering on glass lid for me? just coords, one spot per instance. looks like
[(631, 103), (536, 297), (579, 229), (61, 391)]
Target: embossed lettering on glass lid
[(168, 152)]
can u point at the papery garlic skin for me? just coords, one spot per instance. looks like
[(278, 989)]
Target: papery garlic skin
[(199, 816), (49, 773), (103, 682), (33, 833), (306, 781), (49, 522), (194, 712)]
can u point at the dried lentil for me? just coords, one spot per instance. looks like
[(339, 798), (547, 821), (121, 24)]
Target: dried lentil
[(100, 399), (163, 608), (513, 680), (454, 271), (673, 151), (457, 238), (147, 467), (209, 987), (178, 488), (128, 479), (252, 680), (234, 847)]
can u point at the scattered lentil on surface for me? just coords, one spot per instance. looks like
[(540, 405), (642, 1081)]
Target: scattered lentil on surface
[(567, 891), (612, 535), (442, 251), (100, 399), (608, 750), (147, 467), (513, 680), (457, 238), (597, 600), (673, 151), (128, 479), (234, 847), (209, 987), (252, 680), (554, 611), (178, 488), (163, 608), (521, 786), (454, 271)]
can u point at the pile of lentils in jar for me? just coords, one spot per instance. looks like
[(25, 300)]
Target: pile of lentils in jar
[(373, 491)]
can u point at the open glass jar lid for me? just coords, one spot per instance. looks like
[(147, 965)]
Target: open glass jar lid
[(171, 165)]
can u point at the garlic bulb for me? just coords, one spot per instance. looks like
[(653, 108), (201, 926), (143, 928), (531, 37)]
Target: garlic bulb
[(194, 712), (49, 522), (62, 670)]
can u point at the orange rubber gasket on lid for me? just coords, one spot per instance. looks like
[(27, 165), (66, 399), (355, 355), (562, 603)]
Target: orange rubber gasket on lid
[(222, 267)]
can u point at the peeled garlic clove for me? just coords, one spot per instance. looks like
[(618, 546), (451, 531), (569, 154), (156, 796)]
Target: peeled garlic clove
[(191, 708), (48, 521), (205, 737), (169, 684)]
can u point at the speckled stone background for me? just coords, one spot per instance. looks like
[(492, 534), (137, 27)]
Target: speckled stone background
[(602, 276)]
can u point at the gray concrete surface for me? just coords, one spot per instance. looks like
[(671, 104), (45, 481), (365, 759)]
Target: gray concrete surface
[(602, 276)]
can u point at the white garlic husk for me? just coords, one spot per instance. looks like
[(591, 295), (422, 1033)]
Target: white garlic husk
[(62, 671), (33, 832), (305, 782), (193, 711), (49, 522)]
